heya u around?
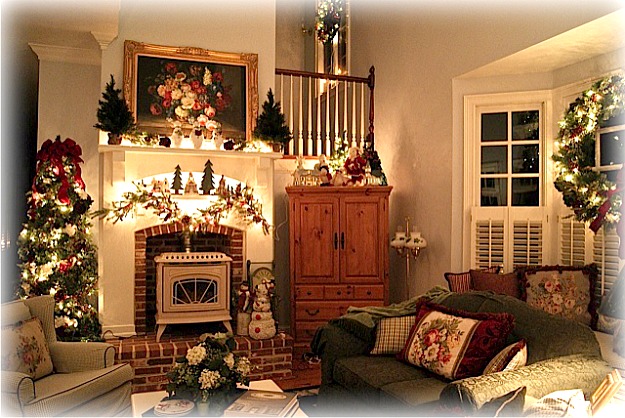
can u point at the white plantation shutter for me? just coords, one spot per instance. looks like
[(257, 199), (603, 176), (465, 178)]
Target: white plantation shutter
[(605, 255), (489, 243), (527, 242), (507, 237), (572, 251)]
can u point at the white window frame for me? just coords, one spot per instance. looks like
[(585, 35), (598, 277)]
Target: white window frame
[(475, 105)]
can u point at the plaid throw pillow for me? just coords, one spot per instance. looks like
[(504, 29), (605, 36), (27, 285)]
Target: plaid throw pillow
[(392, 334), (461, 282), (510, 358)]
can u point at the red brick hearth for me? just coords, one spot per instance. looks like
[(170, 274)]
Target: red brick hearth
[(150, 360)]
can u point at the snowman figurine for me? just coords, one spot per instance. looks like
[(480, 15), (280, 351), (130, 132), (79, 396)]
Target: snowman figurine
[(262, 325)]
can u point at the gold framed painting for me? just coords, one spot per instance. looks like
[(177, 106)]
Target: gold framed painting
[(167, 86)]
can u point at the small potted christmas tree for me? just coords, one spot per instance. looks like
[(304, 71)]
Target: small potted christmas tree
[(271, 126), (114, 116)]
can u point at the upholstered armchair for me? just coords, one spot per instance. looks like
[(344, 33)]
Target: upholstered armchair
[(45, 377)]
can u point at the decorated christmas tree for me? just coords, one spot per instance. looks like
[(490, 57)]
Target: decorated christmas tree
[(270, 124), (207, 180), (114, 116), (340, 152), (56, 251)]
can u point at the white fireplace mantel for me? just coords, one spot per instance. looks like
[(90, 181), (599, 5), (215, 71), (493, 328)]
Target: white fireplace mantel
[(120, 166)]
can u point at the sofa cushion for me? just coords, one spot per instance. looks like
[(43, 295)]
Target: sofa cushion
[(461, 282), (392, 333), (453, 343), (61, 392), (13, 312), (562, 291), (510, 358), (25, 349), (505, 284)]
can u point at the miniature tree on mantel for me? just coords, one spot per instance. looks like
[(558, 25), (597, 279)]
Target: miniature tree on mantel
[(271, 126), (207, 180), (114, 116)]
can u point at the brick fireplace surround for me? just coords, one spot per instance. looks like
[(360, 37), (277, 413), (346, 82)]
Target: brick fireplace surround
[(150, 360)]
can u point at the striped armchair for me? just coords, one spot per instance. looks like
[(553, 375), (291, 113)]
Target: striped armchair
[(84, 380)]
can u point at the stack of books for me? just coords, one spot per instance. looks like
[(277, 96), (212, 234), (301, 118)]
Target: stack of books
[(264, 404)]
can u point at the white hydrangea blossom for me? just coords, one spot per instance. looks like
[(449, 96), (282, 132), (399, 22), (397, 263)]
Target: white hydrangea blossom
[(209, 379), (195, 355), (229, 360), (244, 366)]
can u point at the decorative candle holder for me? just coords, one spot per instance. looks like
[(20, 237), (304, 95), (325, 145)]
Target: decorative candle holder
[(408, 244)]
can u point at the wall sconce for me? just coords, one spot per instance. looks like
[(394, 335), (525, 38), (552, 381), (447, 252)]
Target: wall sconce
[(307, 31), (408, 244)]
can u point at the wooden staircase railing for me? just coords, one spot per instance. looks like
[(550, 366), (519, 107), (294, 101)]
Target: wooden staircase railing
[(325, 109)]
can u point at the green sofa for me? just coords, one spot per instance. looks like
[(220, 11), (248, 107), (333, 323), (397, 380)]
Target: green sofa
[(562, 354)]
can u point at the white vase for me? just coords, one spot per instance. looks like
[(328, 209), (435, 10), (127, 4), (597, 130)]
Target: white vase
[(202, 408)]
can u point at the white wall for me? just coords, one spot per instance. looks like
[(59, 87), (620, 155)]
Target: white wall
[(418, 49)]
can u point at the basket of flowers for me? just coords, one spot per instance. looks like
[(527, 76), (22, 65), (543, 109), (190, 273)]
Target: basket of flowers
[(209, 373)]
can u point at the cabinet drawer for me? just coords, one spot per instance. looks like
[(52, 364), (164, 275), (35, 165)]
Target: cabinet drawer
[(339, 292), (368, 292), (324, 311), (308, 292)]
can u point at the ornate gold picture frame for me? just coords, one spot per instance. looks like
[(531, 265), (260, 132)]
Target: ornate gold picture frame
[(164, 85)]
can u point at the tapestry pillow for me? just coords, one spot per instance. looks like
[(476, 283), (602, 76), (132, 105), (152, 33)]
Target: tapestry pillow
[(461, 282), (455, 344), (25, 349), (392, 333), (563, 291), (509, 405), (510, 358), (506, 284)]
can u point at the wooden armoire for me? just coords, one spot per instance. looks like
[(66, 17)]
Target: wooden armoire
[(339, 240)]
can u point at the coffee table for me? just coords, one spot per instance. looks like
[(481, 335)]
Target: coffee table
[(143, 402)]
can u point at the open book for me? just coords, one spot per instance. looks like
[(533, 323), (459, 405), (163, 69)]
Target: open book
[(263, 404)]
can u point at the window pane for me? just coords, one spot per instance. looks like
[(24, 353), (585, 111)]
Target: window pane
[(525, 125), (525, 192), (612, 147), (494, 160), (525, 159), (494, 192), (494, 126)]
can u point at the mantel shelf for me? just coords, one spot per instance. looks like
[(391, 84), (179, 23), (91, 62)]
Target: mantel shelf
[(103, 149)]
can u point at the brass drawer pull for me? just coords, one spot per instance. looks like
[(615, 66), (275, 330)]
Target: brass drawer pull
[(313, 313), (309, 293), (338, 292), (368, 292)]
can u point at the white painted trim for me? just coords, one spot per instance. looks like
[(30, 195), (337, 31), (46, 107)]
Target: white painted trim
[(114, 331), (55, 53)]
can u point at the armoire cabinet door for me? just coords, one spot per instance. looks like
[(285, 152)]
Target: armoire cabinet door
[(360, 239), (316, 240)]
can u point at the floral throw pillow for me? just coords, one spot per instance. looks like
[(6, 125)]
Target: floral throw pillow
[(455, 344), (563, 291), (25, 349)]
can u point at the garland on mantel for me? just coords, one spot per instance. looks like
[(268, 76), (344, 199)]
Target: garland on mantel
[(588, 192), (239, 201)]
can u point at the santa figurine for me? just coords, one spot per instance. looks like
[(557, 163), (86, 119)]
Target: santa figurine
[(323, 171), (355, 167), (244, 317)]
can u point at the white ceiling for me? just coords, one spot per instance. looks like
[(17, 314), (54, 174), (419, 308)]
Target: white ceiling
[(594, 38)]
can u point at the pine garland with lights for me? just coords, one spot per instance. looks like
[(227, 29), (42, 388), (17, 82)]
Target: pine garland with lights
[(240, 201), (56, 251), (328, 19), (592, 197)]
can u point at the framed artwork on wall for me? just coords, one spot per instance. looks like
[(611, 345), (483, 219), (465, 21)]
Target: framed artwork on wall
[(164, 85)]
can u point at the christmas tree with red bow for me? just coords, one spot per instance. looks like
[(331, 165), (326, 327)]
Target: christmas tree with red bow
[(56, 250)]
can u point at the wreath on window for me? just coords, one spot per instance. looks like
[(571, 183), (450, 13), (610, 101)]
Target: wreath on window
[(588, 192), (328, 20)]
